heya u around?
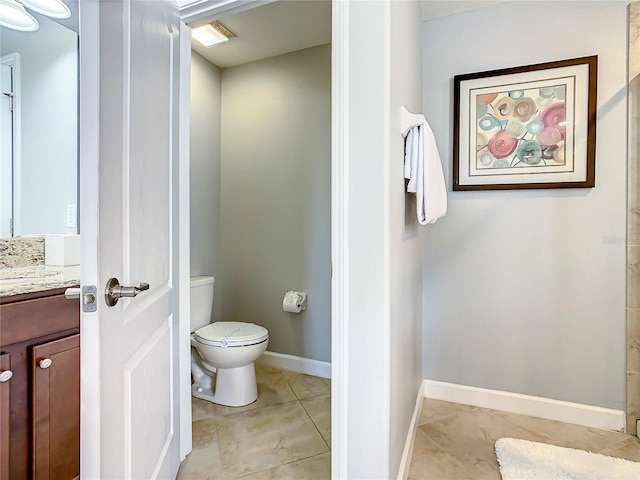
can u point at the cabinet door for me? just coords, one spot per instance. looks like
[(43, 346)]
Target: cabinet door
[(5, 414), (56, 409)]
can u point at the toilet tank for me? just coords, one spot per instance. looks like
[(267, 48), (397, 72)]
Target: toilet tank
[(201, 301)]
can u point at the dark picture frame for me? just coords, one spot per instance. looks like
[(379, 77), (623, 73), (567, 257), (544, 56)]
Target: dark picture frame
[(526, 127)]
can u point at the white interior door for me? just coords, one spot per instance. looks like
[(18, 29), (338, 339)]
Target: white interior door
[(6, 151), (130, 373)]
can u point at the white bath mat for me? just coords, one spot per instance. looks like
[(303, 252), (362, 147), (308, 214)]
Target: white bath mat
[(522, 459)]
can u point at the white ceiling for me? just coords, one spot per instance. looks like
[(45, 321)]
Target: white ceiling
[(441, 8), (285, 26), (269, 30)]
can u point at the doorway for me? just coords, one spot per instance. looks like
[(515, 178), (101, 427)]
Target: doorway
[(90, 154), (9, 102), (260, 189)]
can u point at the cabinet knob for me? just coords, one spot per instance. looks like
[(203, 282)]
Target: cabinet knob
[(5, 376), (45, 363)]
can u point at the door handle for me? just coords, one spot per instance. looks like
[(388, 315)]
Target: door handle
[(114, 291), (72, 293)]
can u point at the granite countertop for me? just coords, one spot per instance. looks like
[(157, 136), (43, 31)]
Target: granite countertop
[(14, 281)]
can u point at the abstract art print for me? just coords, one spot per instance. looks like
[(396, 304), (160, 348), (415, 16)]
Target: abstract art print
[(526, 127)]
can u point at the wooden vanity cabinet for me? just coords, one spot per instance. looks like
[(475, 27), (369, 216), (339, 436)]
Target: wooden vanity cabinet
[(40, 404)]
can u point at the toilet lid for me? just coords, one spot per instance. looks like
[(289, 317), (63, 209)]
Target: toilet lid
[(231, 334)]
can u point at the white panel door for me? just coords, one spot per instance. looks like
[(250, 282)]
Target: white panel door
[(137, 196)]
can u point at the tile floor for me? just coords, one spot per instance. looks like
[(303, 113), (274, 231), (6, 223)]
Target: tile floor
[(456, 441), (285, 434)]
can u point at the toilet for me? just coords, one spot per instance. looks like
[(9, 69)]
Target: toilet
[(222, 353)]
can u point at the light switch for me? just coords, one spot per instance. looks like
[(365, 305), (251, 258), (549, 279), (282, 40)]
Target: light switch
[(72, 220)]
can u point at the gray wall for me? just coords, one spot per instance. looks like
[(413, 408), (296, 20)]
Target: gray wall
[(275, 198), (524, 291), (405, 245), (205, 170), (49, 126)]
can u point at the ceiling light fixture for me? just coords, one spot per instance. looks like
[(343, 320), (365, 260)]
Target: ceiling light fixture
[(50, 8), (14, 16), (211, 34)]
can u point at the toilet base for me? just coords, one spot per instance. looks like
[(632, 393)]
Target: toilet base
[(234, 387)]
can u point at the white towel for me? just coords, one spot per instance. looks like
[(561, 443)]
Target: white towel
[(423, 169)]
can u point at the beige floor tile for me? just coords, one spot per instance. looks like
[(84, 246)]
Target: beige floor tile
[(204, 462), (563, 434), (470, 436), (431, 462), (204, 433), (294, 449), (268, 437), (437, 409), (272, 390), (628, 448), (467, 435), (314, 468), (200, 409), (203, 465), (319, 409), (307, 386)]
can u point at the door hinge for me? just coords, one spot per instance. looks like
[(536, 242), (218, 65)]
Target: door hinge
[(10, 95)]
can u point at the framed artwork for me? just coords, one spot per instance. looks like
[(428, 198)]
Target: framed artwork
[(526, 127)]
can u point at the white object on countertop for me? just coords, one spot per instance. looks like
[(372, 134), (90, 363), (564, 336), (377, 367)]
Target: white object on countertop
[(61, 250)]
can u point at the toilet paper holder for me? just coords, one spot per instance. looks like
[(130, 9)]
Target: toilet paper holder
[(299, 298)]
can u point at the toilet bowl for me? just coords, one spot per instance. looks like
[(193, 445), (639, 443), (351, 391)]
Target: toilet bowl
[(222, 353), (228, 349)]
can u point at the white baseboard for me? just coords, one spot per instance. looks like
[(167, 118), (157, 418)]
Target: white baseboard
[(405, 461), (295, 364), (568, 412)]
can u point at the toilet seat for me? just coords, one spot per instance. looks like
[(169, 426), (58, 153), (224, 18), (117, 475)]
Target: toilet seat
[(231, 334)]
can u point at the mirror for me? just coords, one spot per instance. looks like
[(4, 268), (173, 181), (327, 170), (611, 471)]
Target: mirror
[(39, 130)]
